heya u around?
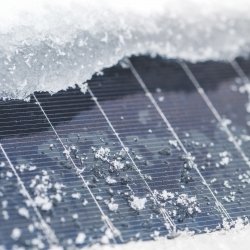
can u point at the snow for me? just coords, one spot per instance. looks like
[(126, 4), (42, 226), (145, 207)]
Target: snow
[(225, 158), (137, 203), (24, 212), (165, 195), (16, 233), (190, 203), (112, 205), (76, 196), (117, 165), (110, 180), (102, 153), (39, 52), (80, 238), (237, 238)]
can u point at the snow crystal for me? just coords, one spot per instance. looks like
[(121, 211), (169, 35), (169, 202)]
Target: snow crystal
[(16, 233), (43, 202), (112, 206), (117, 165), (124, 151), (107, 236), (167, 195), (75, 216), (174, 143), (24, 212), (5, 215), (225, 158), (76, 196), (164, 195), (46, 193), (190, 203), (38, 53), (102, 153), (110, 180), (85, 202), (137, 203), (80, 238)]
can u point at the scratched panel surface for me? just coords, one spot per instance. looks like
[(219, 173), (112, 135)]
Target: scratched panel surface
[(96, 166)]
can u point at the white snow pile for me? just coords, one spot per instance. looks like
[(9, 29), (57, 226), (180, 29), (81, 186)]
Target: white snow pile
[(50, 45), (220, 240)]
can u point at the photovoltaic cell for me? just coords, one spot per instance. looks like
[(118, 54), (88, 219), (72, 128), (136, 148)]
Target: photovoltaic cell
[(124, 155)]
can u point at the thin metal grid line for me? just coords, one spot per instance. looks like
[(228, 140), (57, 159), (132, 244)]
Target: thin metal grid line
[(46, 229), (214, 111), (219, 205), (163, 211), (105, 218)]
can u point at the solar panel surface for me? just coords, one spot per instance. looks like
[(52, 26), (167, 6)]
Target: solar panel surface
[(139, 154)]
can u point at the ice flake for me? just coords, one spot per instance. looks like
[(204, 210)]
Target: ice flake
[(76, 196), (9, 174), (123, 152), (16, 234), (75, 216), (24, 212), (225, 158), (174, 143), (85, 202), (161, 98), (66, 153), (80, 238), (117, 165), (83, 87), (102, 153), (112, 205), (189, 161), (43, 202), (5, 214), (166, 195), (137, 203), (189, 203), (107, 236), (226, 184), (46, 193), (245, 177), (110, 180)]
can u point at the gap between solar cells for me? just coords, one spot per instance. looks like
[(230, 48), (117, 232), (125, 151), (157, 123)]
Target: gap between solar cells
[(106, 219), (218, 204), (47, 230), (163, 212)]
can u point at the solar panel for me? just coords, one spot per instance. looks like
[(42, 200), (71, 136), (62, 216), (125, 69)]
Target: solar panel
[(155, 146)]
